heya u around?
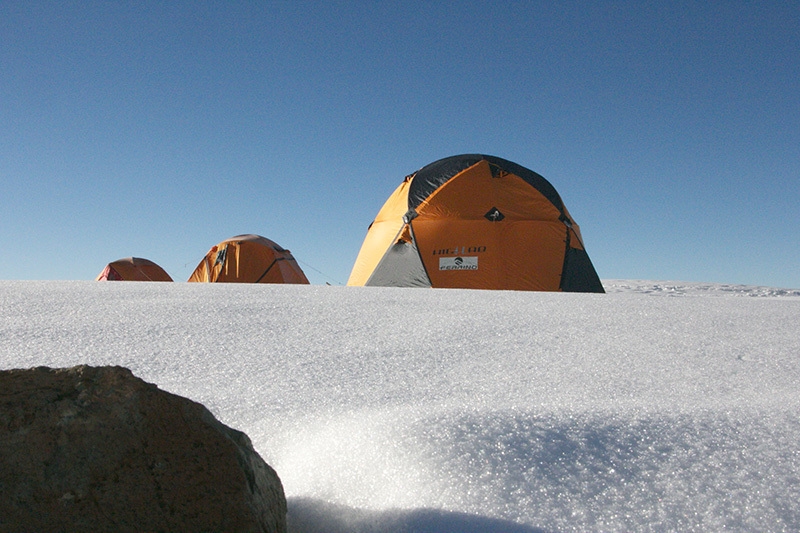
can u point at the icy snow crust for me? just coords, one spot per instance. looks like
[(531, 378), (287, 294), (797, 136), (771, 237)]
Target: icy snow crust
[(451, 410)]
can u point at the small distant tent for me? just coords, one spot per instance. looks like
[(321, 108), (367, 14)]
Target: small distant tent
[(479, 222), (248, 259), (133, 269)]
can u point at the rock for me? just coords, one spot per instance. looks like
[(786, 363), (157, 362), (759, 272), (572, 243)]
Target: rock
[(98, 449)]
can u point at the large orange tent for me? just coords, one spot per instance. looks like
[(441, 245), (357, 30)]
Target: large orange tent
[(248, 259), (133, 269), (475, 221)]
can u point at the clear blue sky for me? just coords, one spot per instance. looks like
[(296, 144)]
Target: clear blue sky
[(157, 129)]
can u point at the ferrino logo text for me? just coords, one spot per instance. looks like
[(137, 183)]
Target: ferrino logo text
[(461, 261), (458, 263)]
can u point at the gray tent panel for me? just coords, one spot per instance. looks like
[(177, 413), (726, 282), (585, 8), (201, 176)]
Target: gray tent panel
[(400, 267)]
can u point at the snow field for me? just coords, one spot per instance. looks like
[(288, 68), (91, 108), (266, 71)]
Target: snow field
[(656, 407)]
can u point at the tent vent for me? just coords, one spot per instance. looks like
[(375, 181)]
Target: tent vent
[(220, 260), (494, 215), (496, 171)]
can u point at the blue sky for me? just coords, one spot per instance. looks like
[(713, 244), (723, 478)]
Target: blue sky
[(152, 129)]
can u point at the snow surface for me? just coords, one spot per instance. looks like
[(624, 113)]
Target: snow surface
[(660, 406)]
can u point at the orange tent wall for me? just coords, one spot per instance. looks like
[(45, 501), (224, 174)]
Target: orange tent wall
[(133, 269), (477, 222), (249, 259), (382, 232), (452, 223)]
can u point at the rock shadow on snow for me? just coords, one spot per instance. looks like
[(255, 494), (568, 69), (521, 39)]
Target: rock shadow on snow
[(309, 515)]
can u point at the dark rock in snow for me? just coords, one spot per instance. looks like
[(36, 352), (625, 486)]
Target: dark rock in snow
[(98, 449)]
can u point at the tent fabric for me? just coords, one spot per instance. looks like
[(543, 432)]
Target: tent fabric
[(133, 269), (475, 221), (248, 259)]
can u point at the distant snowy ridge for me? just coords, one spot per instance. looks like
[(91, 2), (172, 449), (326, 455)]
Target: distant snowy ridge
[(679, 288)]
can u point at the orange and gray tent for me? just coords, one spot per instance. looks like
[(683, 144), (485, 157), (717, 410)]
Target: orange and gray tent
[(133, 269), (248, 259), (478, 222)]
